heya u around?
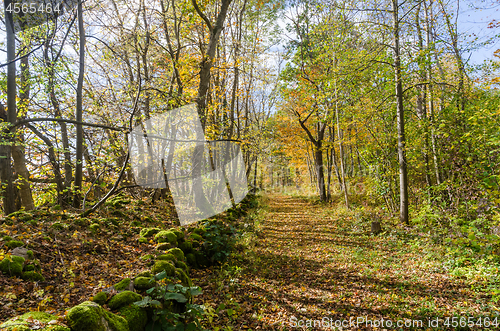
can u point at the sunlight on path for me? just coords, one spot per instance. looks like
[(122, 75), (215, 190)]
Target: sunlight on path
[(311, 265)]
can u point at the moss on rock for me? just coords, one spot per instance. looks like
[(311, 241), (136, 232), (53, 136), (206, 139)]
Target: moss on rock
[(178, 253), (122, 285), (163, 246), (186, 281), (166, 236), (12, 266), (149, 232), (186, 247), (136, 317), (199, 231), (167, 257), (90, 316), (13, 244), (20, 323), (143, 283), (191, 260), (143, 240), (162, 265), (178, 233), (145, 273), (123, 299), (196, 236), (33, 276), (94, 227), (57, 226), (100, 298), (29, 267), (182, 265), (147, 257)]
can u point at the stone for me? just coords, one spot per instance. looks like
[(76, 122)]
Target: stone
[(90, 316), (186, 247), (12, 266), (123, 285), (20, 323), (100, 298), (123, 299), (14, 244), (33, 276), (21, 251), (166, 236), (196, 236), (167, 257), (143, 283), (149, 232), (163, 246), (136, 317), (162, 265), (177, 252)]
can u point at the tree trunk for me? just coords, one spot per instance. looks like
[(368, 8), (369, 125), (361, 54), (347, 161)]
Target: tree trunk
[(9, 205), (403, 175), (18, 150), (79, 111)]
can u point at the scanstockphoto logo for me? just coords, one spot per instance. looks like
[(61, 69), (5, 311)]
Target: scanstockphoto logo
[(170, 150)]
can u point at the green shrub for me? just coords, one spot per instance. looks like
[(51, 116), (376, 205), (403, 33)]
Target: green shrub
[(172, 306)]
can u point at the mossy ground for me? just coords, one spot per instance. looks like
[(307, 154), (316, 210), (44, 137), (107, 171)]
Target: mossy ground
[(75, 261)]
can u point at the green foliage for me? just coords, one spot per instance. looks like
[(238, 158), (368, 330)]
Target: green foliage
[(191, 260), (172, 306), (219, 241)]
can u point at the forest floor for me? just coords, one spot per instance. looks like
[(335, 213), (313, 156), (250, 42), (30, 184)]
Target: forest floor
[(310, 262)]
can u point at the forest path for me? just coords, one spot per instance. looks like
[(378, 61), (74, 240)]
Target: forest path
[(314, 262)]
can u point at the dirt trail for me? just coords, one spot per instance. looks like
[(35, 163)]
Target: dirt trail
[(313, 263)]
